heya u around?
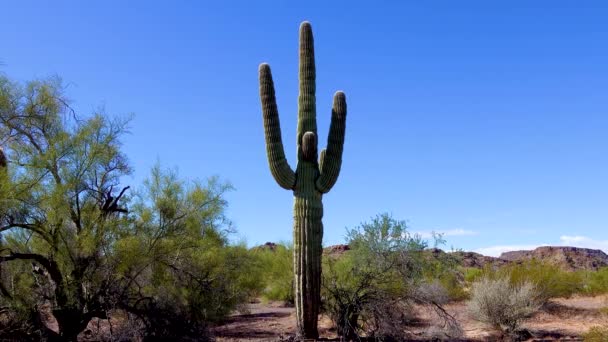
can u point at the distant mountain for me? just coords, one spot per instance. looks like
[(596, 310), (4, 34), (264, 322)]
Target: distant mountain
[(569, 258), (472, 259), (270, 246), (335, 250)]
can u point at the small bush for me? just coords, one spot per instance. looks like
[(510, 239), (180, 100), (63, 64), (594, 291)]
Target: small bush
[(453, 283), (596, 334), (550, 280), (276, 269), (502, 304), (369, 291), (471, 274), (595, 282)]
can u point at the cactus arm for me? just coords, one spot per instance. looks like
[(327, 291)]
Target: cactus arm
[(307, 112), (322, 158), (280, 169), (331, 158)]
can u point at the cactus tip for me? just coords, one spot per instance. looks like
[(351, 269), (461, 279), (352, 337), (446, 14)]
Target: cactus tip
[(339, 96), (305, 24), (309, 146)]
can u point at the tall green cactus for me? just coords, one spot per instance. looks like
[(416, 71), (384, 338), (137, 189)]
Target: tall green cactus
[(2, 159), (311, 179)]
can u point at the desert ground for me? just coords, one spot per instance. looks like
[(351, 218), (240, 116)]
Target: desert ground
[(562, 319)]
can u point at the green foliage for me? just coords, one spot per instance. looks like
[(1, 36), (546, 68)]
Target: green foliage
[(453, 283), (276, 272), (74, 240), (58, 207), (595, 282), (596, 334), (549, 279), (178, 253), (471, 274), (370, 288)]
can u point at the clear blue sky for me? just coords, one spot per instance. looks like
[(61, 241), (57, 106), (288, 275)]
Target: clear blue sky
[(487, 120)]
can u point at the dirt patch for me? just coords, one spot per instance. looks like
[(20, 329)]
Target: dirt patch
[(271, 321), (563, 319)]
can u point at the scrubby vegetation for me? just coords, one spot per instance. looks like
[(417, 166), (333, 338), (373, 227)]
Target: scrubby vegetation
[(78, 246), (596, 334), (275, 268), (503, 304), (370, 290), (550, 280)]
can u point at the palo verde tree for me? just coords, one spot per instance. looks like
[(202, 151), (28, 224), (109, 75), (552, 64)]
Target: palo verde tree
[(311, 179), (178, 272), (60, 205)]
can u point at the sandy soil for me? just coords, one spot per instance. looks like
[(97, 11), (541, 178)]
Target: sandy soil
[(560, 320), (265, 322)]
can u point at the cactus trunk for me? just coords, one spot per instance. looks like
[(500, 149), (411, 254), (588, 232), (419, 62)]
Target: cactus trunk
[(307, 237), (313, 177)]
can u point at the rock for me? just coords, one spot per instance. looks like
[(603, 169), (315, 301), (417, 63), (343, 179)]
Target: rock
[(472, 259), (568, 258), (336, 250), (271, 246)]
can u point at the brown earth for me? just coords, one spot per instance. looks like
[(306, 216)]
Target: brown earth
[(561, 320)]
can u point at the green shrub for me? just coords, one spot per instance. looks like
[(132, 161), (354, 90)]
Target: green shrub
[(471, 274), (276, 270), (369, 290), (596, 334), (453, 283), (550, 280), (595, 282)]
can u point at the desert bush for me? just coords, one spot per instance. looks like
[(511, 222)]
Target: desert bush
[(550, 280), (471, 274), (595, 282), (370, 289), (454, 285), (61, 206), (275, 267), (596, 334), (178, 270), (77, 243), (503, 304), (444, 269)]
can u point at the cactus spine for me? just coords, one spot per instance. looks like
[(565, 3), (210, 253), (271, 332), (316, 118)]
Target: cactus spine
[(310, 180)]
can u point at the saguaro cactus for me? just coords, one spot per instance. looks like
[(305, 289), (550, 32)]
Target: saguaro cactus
[(310, 180), (2, 159)]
